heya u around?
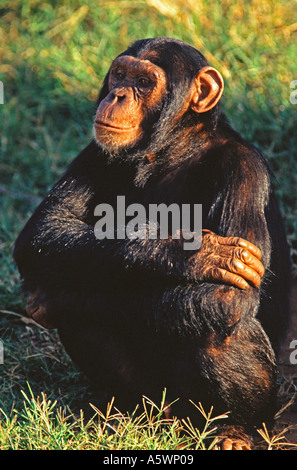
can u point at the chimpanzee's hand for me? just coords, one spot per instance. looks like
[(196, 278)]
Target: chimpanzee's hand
[(36, 308), (228, 260)]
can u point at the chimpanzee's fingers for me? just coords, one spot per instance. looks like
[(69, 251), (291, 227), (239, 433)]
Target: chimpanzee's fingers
[(38, 311), (249, 259), (240, 242), (242, 254), (236, 266), (216, 274), (31, 298), (232, 241)]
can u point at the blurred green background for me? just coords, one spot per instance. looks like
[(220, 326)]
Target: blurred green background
[(53, 57)]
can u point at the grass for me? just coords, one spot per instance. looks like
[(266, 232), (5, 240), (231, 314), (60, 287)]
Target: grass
[(41, 425), (53, 57)]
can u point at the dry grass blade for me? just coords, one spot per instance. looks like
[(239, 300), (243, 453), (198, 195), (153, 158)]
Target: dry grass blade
[(275, 441)]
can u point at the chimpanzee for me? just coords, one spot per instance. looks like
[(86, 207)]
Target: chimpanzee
[(143, 314)]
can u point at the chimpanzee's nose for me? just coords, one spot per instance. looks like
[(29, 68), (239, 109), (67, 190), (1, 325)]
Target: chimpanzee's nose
[(118, 95)]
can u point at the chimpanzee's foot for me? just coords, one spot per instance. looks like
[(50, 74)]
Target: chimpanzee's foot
[(38, 311), (234, 438)]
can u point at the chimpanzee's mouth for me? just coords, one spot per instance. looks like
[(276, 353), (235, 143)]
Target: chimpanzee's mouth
[(112, 127)]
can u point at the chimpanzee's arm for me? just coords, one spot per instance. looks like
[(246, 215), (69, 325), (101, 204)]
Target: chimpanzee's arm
[(58, 243), (241, 206), (58, 247)]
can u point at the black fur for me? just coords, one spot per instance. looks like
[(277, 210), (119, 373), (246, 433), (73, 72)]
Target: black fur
[(128, 312)]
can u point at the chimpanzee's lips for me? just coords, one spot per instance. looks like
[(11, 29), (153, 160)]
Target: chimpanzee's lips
[(112, 127)]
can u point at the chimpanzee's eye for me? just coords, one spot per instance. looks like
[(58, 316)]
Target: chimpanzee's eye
[(144, 82), (120, 75)]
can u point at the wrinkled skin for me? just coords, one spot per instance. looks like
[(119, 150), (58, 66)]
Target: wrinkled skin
[(136, 89), (230, 260)]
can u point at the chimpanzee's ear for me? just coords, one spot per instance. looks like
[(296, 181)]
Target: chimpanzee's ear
[(207, 89)]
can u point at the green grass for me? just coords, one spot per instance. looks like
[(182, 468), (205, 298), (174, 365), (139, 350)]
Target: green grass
[(53, 57), (42, 425)]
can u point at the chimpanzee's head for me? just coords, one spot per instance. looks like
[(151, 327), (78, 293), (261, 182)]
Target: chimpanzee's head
[(150, 89)]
